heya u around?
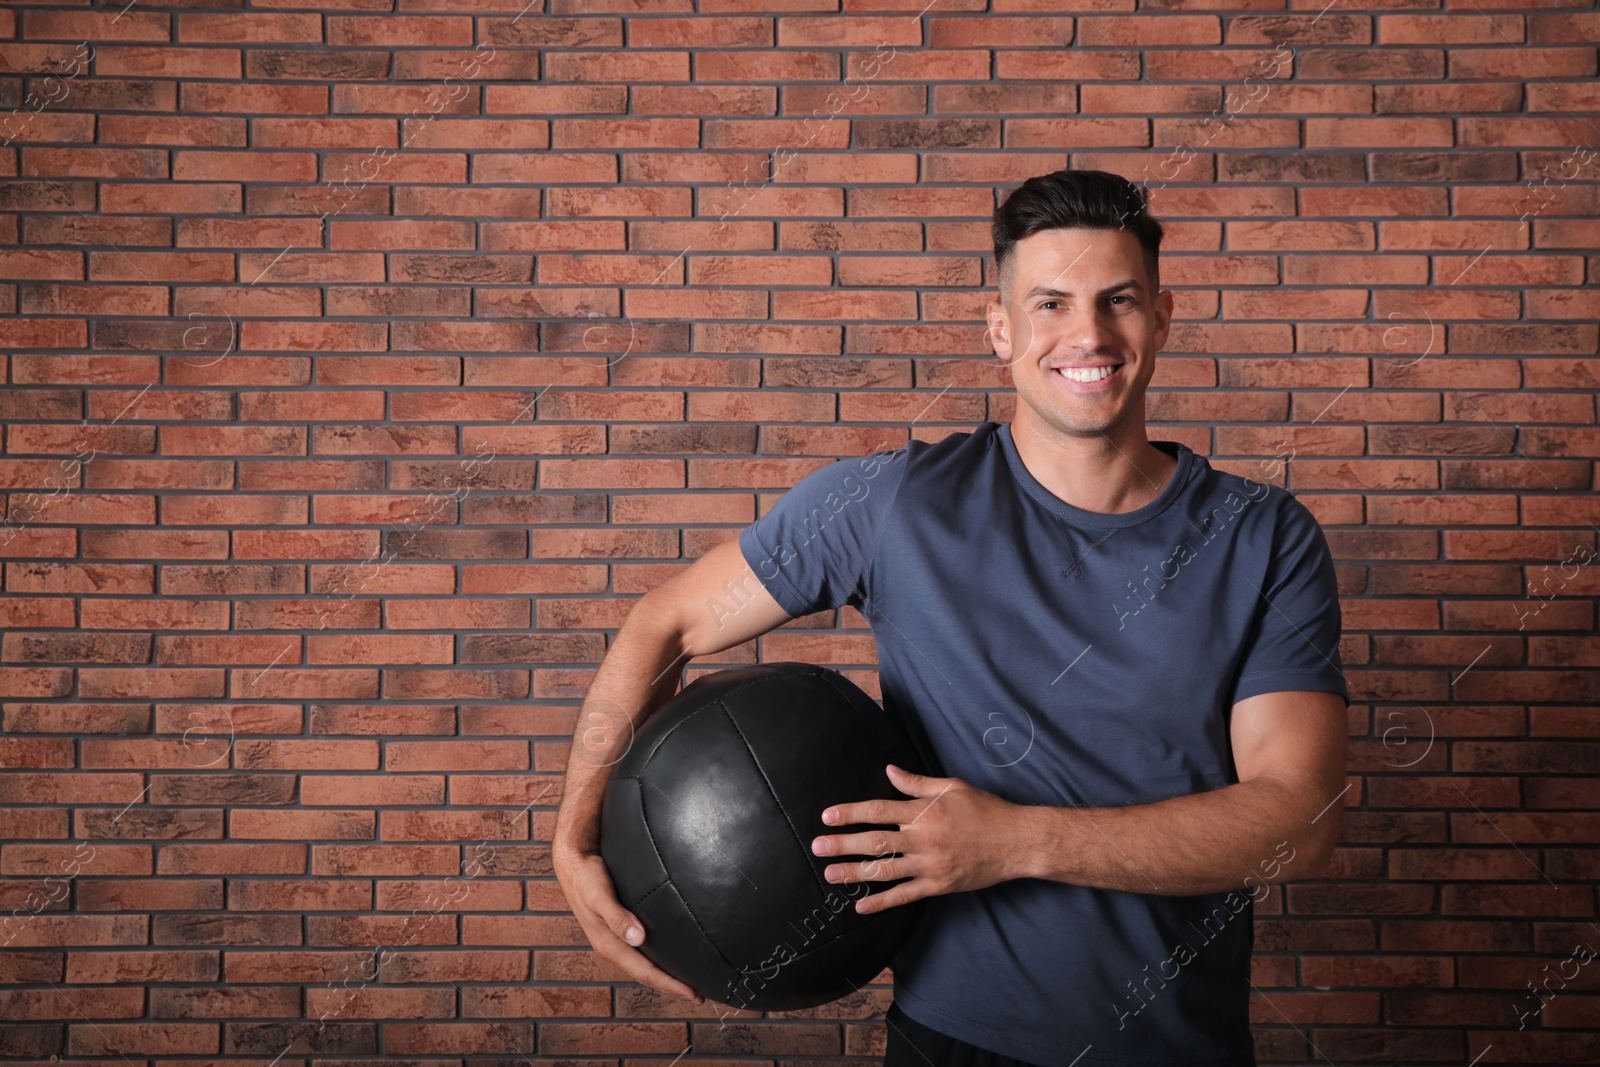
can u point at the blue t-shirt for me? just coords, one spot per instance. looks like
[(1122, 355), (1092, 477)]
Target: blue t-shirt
[(1053, 655)]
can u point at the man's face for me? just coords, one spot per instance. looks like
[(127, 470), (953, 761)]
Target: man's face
[(1080, 300)]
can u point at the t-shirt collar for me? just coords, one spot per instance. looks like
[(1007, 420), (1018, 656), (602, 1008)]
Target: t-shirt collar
[(1034, 488)]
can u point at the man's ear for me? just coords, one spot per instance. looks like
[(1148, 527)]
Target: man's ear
[(999, 327), (1164, 310)]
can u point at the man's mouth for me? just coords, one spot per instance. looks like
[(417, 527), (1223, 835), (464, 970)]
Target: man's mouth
[(1088, 375)]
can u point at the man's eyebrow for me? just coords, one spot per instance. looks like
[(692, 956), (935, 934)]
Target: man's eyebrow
[(1050, 290)]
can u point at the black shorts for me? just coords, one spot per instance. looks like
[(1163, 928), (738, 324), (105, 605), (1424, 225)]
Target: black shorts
[(913, 1045)]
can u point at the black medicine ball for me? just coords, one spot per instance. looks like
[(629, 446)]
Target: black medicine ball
[(706, 827)]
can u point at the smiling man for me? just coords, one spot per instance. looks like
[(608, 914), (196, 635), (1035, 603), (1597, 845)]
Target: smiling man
[(1121, 663)]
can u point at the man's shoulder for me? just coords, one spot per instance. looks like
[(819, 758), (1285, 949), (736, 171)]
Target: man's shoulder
[(1268, 523), (1274, 506), (953, 456), (928, 464)]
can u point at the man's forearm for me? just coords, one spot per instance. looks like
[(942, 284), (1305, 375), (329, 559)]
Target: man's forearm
[(1239, 836), (637, 675)]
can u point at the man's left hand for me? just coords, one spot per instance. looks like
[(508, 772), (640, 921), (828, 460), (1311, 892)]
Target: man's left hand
[(953, 837)]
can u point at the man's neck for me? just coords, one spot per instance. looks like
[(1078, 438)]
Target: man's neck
[(1110, 475)]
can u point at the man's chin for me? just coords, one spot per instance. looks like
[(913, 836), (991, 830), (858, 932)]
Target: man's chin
[(1082, 416), (1077, 426)]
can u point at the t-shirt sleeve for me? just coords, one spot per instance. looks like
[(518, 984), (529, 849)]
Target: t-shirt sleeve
[(814, 548), (1294, 639)]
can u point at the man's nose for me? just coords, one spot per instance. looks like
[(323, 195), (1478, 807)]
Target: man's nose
[(1089, 329)]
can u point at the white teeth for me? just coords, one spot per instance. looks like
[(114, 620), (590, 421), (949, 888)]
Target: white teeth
[(1094, 374)]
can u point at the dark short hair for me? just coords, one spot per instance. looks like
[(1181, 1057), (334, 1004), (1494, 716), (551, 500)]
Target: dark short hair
[(1092, 199)]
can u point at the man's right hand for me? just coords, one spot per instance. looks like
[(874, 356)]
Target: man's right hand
[(593, 898)]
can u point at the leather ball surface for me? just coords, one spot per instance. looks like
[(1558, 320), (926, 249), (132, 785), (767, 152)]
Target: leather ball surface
[(706, 827)]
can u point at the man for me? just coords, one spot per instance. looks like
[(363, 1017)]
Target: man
[(1122, 662)]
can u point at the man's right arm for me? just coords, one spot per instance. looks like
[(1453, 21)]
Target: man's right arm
[(669, 625), (689, 615)]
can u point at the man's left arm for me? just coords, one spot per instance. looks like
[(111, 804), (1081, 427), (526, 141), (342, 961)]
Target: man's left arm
[(1289, 751), (1289, 744)]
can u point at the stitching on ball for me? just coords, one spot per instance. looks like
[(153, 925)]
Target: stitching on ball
[(650, 834), (649, 894), (792, 828)]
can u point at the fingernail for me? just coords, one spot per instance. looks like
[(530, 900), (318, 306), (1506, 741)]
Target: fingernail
[(633, 935)]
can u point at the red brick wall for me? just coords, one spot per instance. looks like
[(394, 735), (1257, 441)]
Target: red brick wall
[(362, 367)]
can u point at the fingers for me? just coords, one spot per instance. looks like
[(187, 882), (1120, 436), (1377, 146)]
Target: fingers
[(904, 893), (848, 814), (627, 928), (871, 843), (648, 974), (897, 812), (880, 869), (613, 930), (623, 923), (639, 968)]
